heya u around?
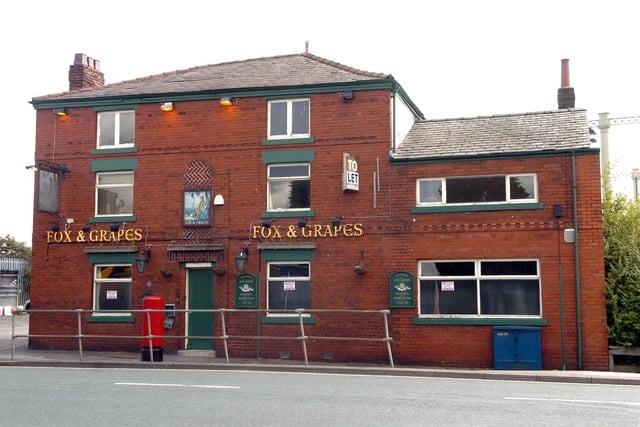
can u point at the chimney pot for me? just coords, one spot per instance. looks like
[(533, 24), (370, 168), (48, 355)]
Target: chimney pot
[(566, 94)]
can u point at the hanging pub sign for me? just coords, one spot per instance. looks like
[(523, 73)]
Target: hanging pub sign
[(401, 290), (246, 291), (350, 174)]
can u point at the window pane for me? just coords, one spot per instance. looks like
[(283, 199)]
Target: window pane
[(289, 170), (107, 129), (278, 125), (509, 268), (296, 295), (522, 187), (114, 201), (113, 296), (458, 297), (47, 191), (115, 178), (431, 191), (516, 297), (476, 190), (127, 127), (288, 270), (447, 269), (114, 272), (289, 194), (300, 117)]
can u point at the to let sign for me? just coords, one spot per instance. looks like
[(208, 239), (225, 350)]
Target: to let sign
[(401, 290), (246, 291), (350, 174)]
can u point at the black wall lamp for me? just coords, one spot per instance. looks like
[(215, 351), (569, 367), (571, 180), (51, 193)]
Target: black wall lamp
[(266, 223), (55, 227), (114, 226), (335, 221), (241, 259), (302, 222), (142, 260)]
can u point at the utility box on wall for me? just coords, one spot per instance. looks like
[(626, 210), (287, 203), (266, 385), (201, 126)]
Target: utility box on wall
[(517, 347)]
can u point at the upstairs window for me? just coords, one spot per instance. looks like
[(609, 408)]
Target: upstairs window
[(288, 119), (116, 129), (288, 187), (477, 190), (114, 193)]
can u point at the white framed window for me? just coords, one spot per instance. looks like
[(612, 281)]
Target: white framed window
[(111, 288), (289, 187), (517, 188), (114, 193), (288, 118), (288, 286), (116, 129), (490, 288)]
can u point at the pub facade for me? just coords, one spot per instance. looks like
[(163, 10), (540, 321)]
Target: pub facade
[(292, 182)]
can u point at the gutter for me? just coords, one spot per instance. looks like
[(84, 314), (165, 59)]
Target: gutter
[(486, 156), (576, 258)]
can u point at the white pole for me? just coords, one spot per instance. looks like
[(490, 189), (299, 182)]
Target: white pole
[(603, 125)]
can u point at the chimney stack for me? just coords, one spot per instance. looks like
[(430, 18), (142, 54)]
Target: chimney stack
[(566, 95), (85, 72)]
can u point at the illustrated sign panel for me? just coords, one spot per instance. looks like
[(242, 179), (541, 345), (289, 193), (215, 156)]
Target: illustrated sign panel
[(197, 208), (350, 174), (246, 291), (401, 290)]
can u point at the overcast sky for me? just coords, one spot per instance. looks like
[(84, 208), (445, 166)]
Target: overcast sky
[(454, 58)]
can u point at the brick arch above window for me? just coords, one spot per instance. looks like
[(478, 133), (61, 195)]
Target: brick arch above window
[(198, 175)]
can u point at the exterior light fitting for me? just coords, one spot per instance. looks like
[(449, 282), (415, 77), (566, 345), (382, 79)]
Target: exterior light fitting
[(241, 259), (335, 221), (302, 222), (346, 95), (166, 106), (360, 268), (55, 227), (31, 168), (228, 102), (142, 260), (86, 228), (114, 226), (60, 111), (266, 223)]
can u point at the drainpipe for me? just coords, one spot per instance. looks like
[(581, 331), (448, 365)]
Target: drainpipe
[(576, 257)]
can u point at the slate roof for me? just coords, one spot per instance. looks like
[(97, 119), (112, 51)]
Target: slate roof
[(500, 134), (285, 70)]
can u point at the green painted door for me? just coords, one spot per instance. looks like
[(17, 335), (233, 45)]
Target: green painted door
[(200, 297)]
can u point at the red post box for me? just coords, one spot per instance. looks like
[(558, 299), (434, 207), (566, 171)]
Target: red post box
[(156, 321)]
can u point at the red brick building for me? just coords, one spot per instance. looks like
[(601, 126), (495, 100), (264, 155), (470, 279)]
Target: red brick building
[(327, 181)]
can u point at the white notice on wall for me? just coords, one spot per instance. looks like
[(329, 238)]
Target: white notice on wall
[(289, 286), (112, 294), (447, 286)]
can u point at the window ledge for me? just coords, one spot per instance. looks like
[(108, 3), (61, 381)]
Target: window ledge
[(110, 319), (97, 151), (491, 321), (477, 208), (287, 320), (307, 213), (116, 218), (286, 141)]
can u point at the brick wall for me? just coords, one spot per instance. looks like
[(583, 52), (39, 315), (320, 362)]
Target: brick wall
[(394, 239)]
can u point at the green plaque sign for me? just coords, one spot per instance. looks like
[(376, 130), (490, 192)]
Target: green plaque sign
[(401, 290), (246, 291)]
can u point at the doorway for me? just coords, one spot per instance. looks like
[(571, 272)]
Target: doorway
[(199, 296)]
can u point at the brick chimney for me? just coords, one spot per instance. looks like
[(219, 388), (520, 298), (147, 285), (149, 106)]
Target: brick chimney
[(85, 72), (566, 95)]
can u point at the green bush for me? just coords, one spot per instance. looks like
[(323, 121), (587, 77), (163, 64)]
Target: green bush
[(622, 268)]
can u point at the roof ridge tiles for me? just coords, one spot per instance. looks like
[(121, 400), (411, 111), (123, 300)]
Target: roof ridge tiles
[(344, 67), (493, 116)]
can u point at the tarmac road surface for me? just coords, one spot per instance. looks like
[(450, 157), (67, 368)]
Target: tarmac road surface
[(89, 396)]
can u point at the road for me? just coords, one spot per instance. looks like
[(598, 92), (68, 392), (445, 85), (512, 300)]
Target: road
[(87, 396)]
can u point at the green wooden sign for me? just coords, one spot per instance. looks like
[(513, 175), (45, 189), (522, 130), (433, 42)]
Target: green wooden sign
[(246, 291), (401, 290)]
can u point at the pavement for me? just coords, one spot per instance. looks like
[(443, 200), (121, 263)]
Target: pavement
[(23, 356)]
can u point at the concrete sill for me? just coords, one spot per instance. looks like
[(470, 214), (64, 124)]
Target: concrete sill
[(480, 321), (287, 141), (476, 208), (287, 320)]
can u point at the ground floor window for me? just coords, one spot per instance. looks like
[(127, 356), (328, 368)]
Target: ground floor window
[(112, 287), (480, 287), (288, 285)]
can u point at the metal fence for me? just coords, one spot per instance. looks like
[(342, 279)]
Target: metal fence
[(300, 313), (13, 273)]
